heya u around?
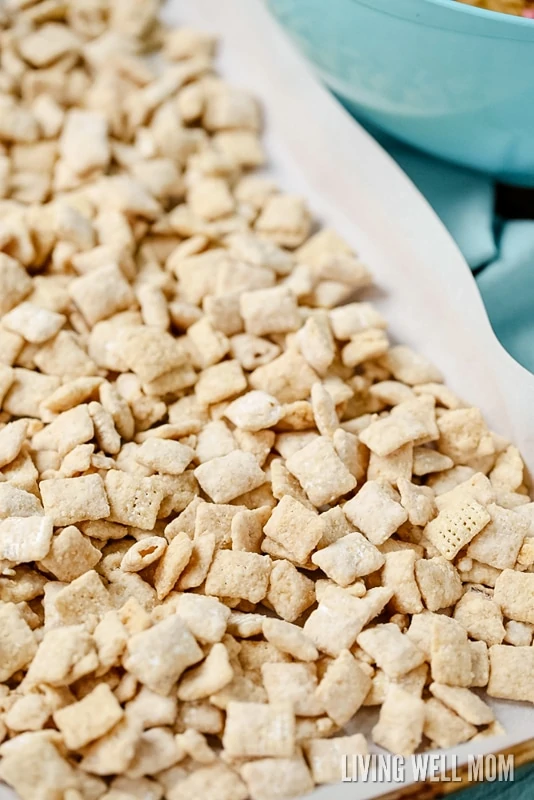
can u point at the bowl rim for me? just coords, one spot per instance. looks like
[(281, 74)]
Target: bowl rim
[(456, 6)]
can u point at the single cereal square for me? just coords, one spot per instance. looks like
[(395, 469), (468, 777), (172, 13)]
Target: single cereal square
[(400, 725), (212, 676), (518, 633), (202, 716), (316, 342), (157, 750), (27, 391), (426, 461), (375, 511), (288, 377), (220, 382), (205, 617), (246, 528), (84, 600), (284, 483), (443, 727), (450, 656), (209, 345), (267, 311), (291, 777), (456, 525), (252, 351), (343, 688), (226, 477), (159, 655), (353, 318), (473, 486), (256, 729), (464, 435), (438, 581), (65, 655), (214, 440), (398, 574), (70, 429), (500, 542), (350, 557), (143, 553), (514, 593), (172, 564), (15, 283), (25, 539), (293, 684), (418, 501), (320, 472), (149, 353), (412, 421), (290, 592), (466, 704), (101, 293), (71, 500), (70, 555), (133, 500), (239, 574), (210, 198), (215, 781), (18, 644), (16, 502), (236, 518), (479, 663), (289, 639), (511, 672), (165, 455), (34, 760), (33, 323), (395, 467), (326, 756), (481, 617), (340, 617), (90, 718), (363, 346), (295, 527), (392, 651), (254, 411), (507, 474), (285, 219), (410, 367), (215, 519), (336, 526), (10, 346)]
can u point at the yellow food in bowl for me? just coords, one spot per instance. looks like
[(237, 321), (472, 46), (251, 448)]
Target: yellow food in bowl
[(520, 8)]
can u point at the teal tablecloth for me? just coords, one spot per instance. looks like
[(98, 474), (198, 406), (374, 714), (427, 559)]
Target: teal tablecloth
[(498, 248), (522, 788)]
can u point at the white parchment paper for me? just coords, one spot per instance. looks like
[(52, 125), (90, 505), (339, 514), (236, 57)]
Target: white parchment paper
[(424, 286)]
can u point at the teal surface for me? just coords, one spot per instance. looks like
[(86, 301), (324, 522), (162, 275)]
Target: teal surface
[(450, 79), (522, 788), (500, 252)]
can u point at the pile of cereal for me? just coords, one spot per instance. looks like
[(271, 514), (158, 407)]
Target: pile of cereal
[(232, 514), (521, 8)]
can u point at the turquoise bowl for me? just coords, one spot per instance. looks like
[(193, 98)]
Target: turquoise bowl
[(450, 79)]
